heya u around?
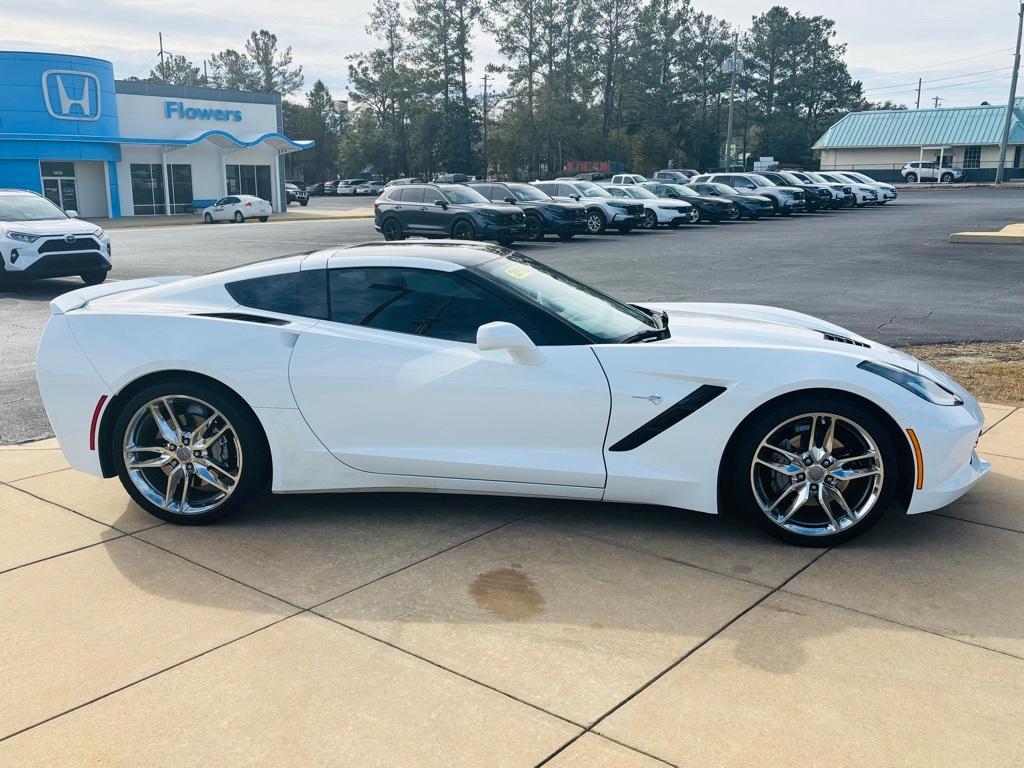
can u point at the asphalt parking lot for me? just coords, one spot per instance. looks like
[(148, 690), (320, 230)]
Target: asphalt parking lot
[(888, 273)]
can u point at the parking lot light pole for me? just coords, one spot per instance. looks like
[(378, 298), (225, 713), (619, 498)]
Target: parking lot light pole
[(727, 155), (1009, 104)]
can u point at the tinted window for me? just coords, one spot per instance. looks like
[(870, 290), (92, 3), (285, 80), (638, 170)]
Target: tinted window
[(457, 194), (419, 195), (419, 302), (295, 293)]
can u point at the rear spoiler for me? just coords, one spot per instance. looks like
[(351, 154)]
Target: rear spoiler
[(67, 302)]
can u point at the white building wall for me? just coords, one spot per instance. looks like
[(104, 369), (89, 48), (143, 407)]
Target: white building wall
[(91, 182)]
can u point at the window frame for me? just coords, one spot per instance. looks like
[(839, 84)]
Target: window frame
[(972, 156)]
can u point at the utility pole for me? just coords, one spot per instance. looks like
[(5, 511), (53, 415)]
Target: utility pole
[(1013, 97), (484, 152), (918, 94), (937, 100), (163, 68), (206, 79), (732, 96)]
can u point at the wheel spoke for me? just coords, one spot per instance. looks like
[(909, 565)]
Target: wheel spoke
[(205, 472), (823, 503), (855, 474), (187, 481), (198, 432), (173, 480), (205, 442), (837, 495), (161, 460), (802, 497), (791, 457), (830, 436), (786, 469), (167, 432), (814, 427), (851, 459)]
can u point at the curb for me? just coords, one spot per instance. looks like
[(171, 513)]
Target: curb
[(1011, 234), (112, 224)]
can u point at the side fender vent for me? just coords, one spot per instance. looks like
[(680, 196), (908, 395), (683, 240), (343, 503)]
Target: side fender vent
[(243, 317)]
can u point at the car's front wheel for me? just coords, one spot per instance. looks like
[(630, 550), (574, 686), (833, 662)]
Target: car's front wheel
[(534, 229), (911, 177), (94, 276), (239, 218), (187, 452), (463, 229), (207, 218), (650, 220), (596, 222), (814, 471)]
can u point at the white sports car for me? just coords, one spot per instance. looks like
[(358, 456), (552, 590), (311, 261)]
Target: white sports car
[(465, 368), (237, 208)]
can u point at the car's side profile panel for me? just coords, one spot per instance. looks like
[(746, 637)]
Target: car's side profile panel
[(395, 403)]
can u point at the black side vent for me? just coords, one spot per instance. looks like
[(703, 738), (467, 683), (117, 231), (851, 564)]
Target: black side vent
[(700, 397), (244, 317), (843, 340)]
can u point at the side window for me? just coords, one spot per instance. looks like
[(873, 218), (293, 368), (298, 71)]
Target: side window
[(417, 195), (565, 190), (294, 293), (618, 192), (548, 189), (421, 302), (397, 194)]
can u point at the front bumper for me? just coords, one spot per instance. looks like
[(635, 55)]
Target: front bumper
[(55, 257), (950, 464), (794, 205), (567, 227), (493, 231), (623, 219), (686, 216)]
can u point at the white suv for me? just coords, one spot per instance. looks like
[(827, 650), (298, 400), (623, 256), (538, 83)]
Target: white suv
[(930, 171), (659, 210), (603, 210), (38, 239), (628, 178)]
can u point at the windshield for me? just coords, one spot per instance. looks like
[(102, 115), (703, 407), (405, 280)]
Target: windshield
[(759, 180), (526, 192), (28, 208), (595, 192), (458, 194), (789, 178), (860, 177), (723, 189), (819, 178), (682, 189), (599, 317), (641, 193)]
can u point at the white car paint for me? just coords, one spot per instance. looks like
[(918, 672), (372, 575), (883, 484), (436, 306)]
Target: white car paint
[(228, 208), (348, 186), (38, 239), (628, 178), (370, 188), (349, 407), (866, 195), (666, 209), (593, 196), (886, 192)]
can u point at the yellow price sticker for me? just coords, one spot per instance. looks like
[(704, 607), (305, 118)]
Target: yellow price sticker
[(519, 272)]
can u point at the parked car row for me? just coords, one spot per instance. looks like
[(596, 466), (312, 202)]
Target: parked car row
[(570, 206)]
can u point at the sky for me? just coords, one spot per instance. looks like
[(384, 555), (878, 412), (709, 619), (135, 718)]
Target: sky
[(962, 52)]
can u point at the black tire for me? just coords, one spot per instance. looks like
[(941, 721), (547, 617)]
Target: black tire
[(255, 469), (946, 178), (910, 177), (94, 276), (567, 236), (625, 229), (239, 218), (754, 216), (597, 222), (392, 229), (264, 219), (785, 212), (737, 476), (650, 220), (303, 203), (463, 229), (207, 218), (534, 228)]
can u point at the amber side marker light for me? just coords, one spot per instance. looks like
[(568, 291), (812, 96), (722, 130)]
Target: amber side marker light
[(918, 458)]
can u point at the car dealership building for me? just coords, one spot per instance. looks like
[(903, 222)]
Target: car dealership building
[(110, 148)]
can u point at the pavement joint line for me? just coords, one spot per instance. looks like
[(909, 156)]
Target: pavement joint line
[(41, 474), (603, 737), (93, 700), (983, 452), (120, 535), (73, 511), (440, 666), (702, 643), (897, 623), (1000, 420), (940, 513), (568, 527)]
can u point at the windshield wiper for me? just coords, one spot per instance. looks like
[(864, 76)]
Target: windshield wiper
[(648, 334)]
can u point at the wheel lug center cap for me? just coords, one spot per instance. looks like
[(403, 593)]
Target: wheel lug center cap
[(184, 454), (816, 473)]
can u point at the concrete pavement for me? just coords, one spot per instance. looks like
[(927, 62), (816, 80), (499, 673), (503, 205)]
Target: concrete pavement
[(416, 630)]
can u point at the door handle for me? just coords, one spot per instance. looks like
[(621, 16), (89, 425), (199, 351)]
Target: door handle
[(654, 399)]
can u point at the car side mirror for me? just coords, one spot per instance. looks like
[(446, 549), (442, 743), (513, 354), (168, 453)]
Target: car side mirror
[(512, 338), (72, 213), (575, 197), (441, 204), (511, 200)]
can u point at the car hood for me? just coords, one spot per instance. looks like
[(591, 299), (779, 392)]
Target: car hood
[(52, 227), (755, 198), (491, 207), (788, 188), (753, 325)]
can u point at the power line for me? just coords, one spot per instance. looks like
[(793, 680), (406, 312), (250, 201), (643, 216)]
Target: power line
[(941, 79), (942, 63)]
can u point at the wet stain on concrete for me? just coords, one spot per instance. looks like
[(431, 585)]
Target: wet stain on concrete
[(741, 569), (508, 594)]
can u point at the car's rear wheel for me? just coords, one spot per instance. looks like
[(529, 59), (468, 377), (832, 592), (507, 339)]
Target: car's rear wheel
[(534, 229), (816, 471), (463, 229), (596, 222), (94, 276), (239, 218), (188, 453), (392, 230), (911, 177), (207, 218), (650, 220)]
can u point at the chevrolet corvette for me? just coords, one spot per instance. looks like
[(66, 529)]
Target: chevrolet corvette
[(460, 367)]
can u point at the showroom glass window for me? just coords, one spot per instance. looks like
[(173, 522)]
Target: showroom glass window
[(972, 157), (249, 180), (180, 178), (419, 302), (147, 188)]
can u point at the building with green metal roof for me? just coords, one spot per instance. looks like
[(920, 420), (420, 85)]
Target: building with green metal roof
[(880, 142)]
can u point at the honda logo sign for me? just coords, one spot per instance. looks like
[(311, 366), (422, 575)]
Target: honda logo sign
[(71, 95)]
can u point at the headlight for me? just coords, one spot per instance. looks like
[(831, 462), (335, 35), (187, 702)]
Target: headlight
[(921, 386), (22, 237), (617, 204), (98, 232)]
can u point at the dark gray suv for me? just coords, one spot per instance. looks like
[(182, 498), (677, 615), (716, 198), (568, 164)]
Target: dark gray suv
[(445, 210)]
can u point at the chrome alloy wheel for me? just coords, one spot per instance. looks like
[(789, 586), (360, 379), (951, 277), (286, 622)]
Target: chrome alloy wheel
[(817, 474), (182, 454)]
